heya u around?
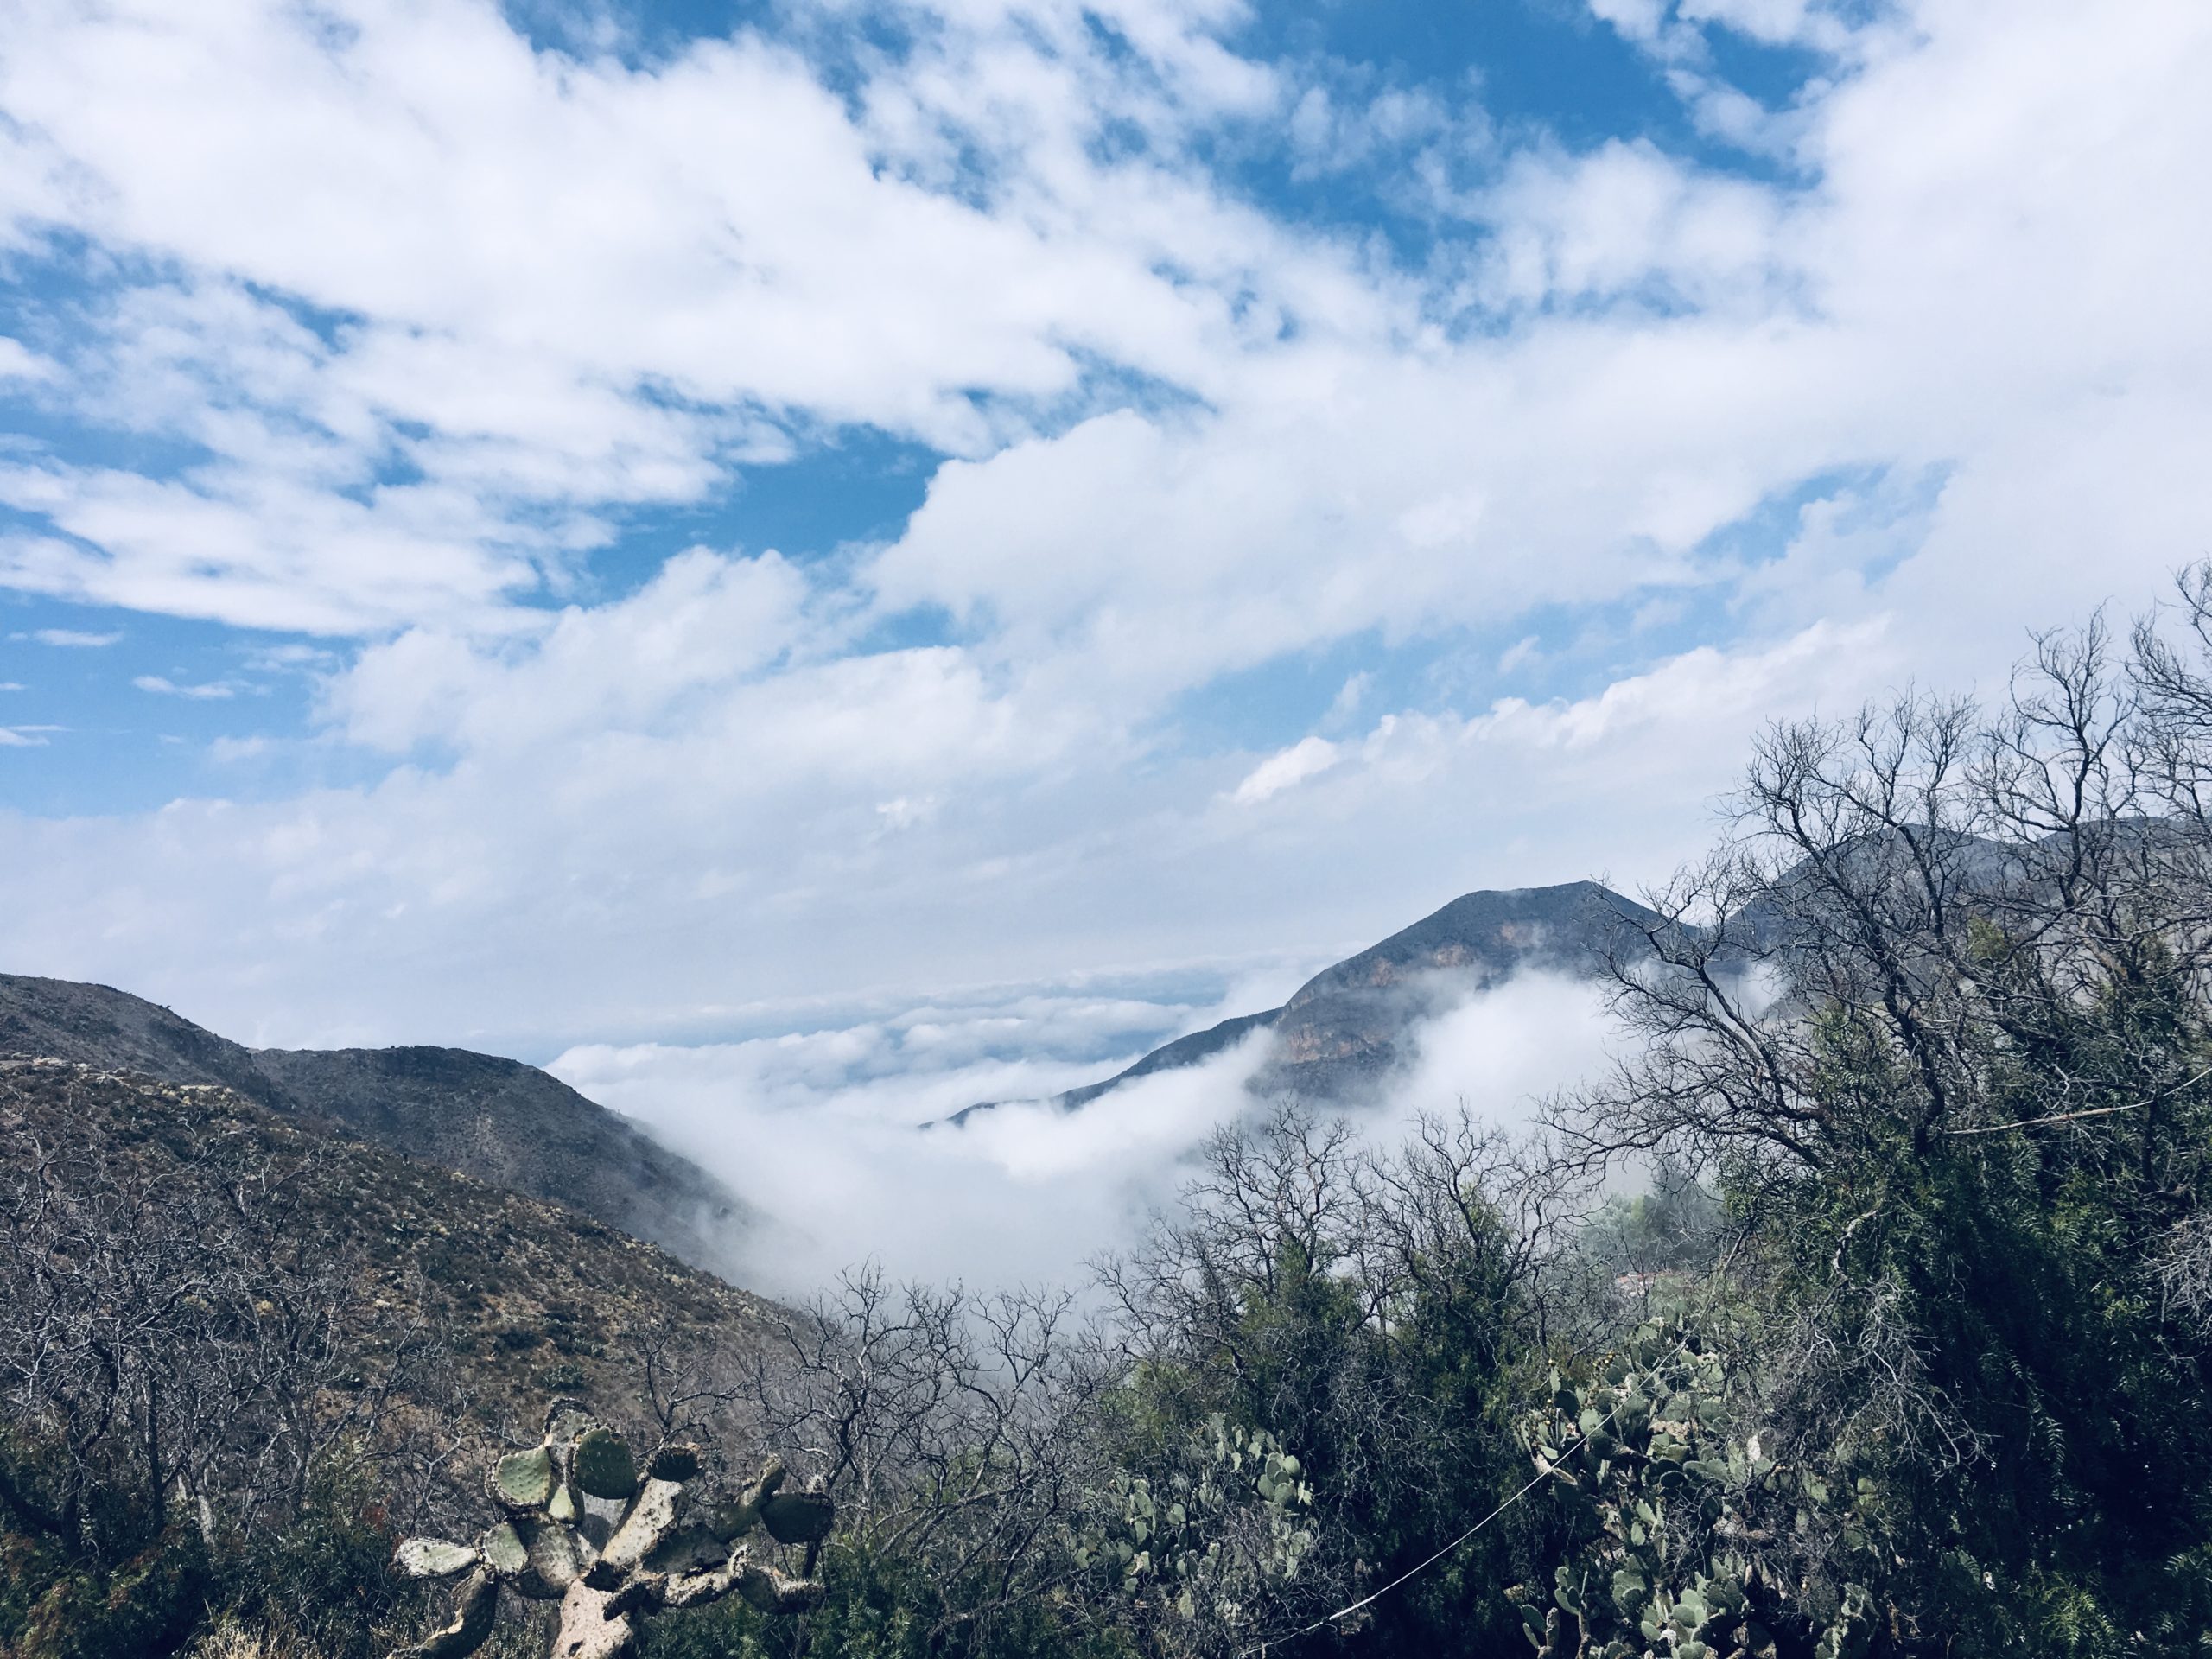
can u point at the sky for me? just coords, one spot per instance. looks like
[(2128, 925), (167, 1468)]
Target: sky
[(957, 541)]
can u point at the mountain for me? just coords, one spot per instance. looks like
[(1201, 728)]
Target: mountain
[(498, 1121), (1353, 1022), (524, 1297)]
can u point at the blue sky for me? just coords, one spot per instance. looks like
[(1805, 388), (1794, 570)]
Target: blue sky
[(1543, 72), (617, 524)]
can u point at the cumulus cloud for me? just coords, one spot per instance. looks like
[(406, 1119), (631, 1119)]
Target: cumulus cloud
[(512, 288), (703, 623)]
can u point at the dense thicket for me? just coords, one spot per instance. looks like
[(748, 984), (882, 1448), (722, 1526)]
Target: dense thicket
[(1904, 1349)]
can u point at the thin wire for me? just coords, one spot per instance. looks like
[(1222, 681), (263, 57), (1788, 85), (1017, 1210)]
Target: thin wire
[(2101, 1111), (1346, 1612)]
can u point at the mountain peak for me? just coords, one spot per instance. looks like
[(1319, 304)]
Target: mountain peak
[(1352, 1021)]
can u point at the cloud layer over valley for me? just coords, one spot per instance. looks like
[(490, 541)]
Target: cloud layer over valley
[(826, 1130)]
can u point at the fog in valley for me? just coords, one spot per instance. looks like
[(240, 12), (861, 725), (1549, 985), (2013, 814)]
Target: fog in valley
[(826, 1130)]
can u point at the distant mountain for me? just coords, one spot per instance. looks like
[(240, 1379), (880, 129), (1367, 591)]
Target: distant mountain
[(1352, 1023), (501, 1121)]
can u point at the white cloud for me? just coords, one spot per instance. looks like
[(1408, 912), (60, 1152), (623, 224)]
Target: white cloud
[(1704, 687), (561, 284), (70, 639), (1307, 758), (19, 362), (1626, 221), (704, 624), (824, 1130), (1502, 1052), (205, 691)]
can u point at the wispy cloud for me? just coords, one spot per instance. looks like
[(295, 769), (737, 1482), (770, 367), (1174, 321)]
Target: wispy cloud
[(207, 691), (18, 362), (1308, 758), (71, 638)]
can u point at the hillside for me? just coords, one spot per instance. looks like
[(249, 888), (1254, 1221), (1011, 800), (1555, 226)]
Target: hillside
[(496, 1120), (527, 1298)]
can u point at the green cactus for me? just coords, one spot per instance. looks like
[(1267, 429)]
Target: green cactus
[(524, 1481), (632, 1556), (1667, 1501), (603, 1467), (1163, 1543)]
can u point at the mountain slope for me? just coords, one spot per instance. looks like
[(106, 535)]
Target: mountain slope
[(1184, 1050), (496, 1120), (526, 1297), (1352, 1022)]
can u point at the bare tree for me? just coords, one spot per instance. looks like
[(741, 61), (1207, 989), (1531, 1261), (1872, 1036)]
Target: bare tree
[(179, 1331), (959, 1431)]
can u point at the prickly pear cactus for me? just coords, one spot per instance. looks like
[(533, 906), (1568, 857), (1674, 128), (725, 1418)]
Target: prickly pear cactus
[(1671, 1570), (612, 1542), (1211, 1536)]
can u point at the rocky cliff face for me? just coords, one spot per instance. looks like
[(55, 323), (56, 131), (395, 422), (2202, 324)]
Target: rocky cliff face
[(499, 1121)]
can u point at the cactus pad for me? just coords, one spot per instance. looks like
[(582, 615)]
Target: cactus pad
[(435, 1558), (567, 1420), (524, 1479), (677, 1460), (476, 1608), (797, 1517), (503, 1551), (558, 1555), (604, 1467), (689, 1549)]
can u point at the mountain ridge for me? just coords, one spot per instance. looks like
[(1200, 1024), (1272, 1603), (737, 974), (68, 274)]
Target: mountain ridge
[(1349, 1024), (496, 1120)]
